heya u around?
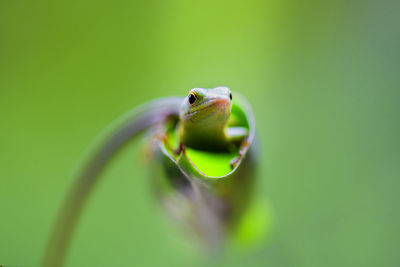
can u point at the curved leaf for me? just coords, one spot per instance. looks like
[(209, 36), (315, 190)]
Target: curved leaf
[(200, 189)]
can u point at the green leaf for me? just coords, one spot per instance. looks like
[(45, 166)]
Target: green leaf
[(201, 190)]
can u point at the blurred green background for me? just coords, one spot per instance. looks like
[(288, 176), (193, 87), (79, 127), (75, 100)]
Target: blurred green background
[(323, 80)]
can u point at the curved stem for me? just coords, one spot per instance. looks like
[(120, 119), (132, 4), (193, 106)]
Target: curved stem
[(103, 150)]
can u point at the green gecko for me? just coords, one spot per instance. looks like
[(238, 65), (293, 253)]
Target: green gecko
[(203, 120), (204, 124)]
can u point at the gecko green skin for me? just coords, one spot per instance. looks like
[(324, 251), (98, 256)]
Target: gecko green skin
[(204, 120)]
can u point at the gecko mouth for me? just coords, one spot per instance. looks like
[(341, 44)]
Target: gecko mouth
[(221, 104)]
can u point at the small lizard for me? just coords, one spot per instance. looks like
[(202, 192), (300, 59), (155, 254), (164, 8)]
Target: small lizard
[(203, 120)]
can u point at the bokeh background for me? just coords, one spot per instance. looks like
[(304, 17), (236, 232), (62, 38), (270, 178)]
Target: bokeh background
[(322, 77)]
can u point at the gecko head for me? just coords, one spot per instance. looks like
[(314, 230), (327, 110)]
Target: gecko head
[(207, 106)]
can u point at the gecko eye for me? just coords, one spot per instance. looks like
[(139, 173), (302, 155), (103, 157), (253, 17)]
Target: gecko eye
[(192, 98), (230, 96)]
